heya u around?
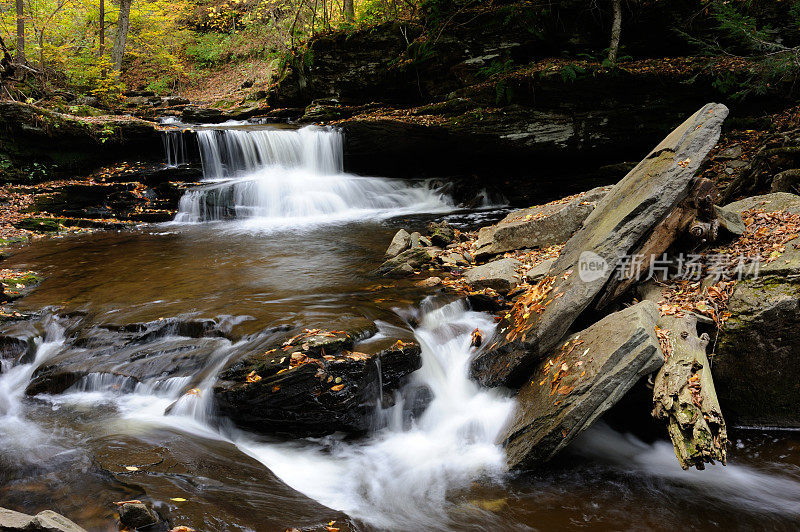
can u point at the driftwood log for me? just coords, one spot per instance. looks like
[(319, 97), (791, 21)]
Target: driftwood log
[(694, 217), (685, 397)]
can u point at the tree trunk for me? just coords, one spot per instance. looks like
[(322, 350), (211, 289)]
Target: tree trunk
[(684, 396), (616, 29), (349, 11), (101, 33), (20, 55), (122, 33)]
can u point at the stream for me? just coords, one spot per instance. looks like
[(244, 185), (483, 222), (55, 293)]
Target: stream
[(280, 236)]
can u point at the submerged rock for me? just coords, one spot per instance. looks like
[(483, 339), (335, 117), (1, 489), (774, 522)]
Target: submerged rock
[(500, 275), (312, 385), (580, 381), (130, 353), (539, 226), (617, 227)]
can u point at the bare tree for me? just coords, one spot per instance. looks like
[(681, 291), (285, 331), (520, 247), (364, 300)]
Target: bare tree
[(123, 24), (616, 29), (349, 10), (20, 54)]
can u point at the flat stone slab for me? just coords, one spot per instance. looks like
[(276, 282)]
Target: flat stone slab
[(540, 226), (500, 275), (46, 521), (621, 221), (579, 381), (777, 201)]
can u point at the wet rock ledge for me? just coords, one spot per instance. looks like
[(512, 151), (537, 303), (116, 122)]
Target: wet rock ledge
[(313, 384)]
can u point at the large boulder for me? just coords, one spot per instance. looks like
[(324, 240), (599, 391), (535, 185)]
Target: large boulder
[(578, 382), (617, 227), (756, 364), (312, 384), (500, 275), (539, 226)]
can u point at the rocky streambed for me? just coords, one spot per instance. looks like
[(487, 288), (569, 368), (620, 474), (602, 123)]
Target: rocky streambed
[(244, 374)]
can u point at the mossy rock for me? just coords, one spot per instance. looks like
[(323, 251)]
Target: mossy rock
[(85, 110), (39, 225)]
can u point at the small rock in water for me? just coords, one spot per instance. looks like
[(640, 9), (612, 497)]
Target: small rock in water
[(46, 521), (137, 515), (415, 239), (430, 281), (442, 234), (400, 242)]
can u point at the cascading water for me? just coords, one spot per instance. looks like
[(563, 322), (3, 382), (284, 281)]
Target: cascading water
[(15, 430), (402, 475), (174, 147), (280, 177)]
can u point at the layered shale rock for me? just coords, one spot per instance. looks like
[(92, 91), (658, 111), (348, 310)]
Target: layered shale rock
[(313, 384), (578, 382)]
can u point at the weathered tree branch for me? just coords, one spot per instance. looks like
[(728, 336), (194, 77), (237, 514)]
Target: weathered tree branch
[(685, 397)]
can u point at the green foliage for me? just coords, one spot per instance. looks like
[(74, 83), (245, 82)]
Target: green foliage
[(208, 48), (738, 32), (570, 73), (420, 51), (497, 66)]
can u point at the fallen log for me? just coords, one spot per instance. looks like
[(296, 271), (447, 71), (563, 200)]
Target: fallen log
[(685, 397)]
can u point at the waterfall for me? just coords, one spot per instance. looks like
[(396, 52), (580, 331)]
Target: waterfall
[(174, 147), (279, 177)]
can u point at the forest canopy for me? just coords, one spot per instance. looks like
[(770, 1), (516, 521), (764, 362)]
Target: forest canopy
[(102, 47)]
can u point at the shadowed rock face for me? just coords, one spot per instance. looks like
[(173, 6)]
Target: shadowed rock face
[(619, 223), (313, 385), (756, 364), (577, 383)]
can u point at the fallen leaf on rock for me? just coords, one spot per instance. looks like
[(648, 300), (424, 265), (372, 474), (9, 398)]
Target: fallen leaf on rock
[(178, 499), (253, 376), (131, 468), (337, 388), (477, 337), (132, 501)]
